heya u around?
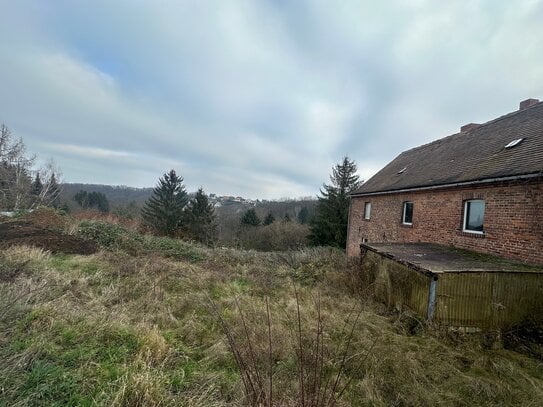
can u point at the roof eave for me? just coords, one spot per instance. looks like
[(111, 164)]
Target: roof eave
[(451, 185)]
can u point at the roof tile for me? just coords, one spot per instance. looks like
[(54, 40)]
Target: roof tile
[(473, 155)]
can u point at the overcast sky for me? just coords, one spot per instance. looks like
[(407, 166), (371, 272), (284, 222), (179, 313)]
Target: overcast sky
[(256, 98)]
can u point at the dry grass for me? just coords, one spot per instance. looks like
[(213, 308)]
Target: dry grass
[(123, 329), (25, 254)]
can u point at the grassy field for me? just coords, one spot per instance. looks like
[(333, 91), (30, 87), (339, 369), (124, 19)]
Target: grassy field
[(158, 322)]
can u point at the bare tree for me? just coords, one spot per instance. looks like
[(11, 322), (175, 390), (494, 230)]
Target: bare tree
[(15, 169), (17, 191), (49, 193)]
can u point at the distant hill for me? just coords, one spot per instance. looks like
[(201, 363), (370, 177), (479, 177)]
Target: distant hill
[(226, 207), (117, 195)]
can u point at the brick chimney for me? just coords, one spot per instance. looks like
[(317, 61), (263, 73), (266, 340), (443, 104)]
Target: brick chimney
[(469, 127), (525, 104)]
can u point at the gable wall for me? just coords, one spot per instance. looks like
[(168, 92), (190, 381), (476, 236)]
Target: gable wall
[(513, 220)]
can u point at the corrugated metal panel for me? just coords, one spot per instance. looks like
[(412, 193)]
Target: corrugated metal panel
[(485, 299), (397, 285), (490, 300)]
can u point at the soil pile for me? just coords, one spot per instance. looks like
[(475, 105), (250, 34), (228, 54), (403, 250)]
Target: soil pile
[(46, 218), (30, 234)]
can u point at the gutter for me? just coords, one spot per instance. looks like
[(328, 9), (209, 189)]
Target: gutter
[(457, 184)]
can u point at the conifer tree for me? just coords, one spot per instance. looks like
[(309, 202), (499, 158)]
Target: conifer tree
[(303, 215), (53, 192), (92, 199), (37, 186), (250, 218), (164, 211), (101, 202), (82, 198), (329, 226), (269, 219), (201, 218)]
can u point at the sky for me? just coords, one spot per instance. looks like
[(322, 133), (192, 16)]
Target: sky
[(256, 98)]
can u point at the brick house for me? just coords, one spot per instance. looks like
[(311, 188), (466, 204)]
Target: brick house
[(480, 189)]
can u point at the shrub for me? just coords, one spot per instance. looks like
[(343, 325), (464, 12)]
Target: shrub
[(114, 237), (110, 236), (278, 236), (174, 248)]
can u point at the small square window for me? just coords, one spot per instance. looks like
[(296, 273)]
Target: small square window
[(474, 216), (407, 214), (367, 210)]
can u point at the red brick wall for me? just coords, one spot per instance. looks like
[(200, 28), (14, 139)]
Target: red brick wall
[(513, 223)]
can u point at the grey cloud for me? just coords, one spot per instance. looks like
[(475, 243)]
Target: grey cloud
[(257, 98)]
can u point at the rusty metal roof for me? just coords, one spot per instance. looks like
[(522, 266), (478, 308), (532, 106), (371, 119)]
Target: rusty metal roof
[(477, 154)]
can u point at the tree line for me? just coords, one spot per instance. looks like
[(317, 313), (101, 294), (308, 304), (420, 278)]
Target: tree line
[(251, 218), (328, 225), (170, 211)]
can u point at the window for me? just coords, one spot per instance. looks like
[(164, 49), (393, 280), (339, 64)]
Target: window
[(474, 215), (513, 143), (407, 214), (367, 210)]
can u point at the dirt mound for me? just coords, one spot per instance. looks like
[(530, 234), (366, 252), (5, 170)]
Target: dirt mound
[(28, 233), (46, 218)]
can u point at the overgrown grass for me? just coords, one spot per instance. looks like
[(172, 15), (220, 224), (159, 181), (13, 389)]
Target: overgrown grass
[(112, 236), (134, 325)]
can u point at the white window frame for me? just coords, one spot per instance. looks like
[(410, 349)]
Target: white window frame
[(367, 210), (404, 212), (464, 222)]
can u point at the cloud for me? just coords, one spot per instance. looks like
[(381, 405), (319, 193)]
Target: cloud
[(92, 152), (257, 98)]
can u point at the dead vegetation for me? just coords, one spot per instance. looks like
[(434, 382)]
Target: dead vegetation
[(181, 324)]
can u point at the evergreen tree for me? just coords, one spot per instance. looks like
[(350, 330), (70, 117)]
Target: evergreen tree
[(286, 218), (329, 226), (53, 192), (303, 215), (269, 219), (250, 218), (201, 218), (37, 186), (93, 199), (99, 201), (82, 199), (164, 211)]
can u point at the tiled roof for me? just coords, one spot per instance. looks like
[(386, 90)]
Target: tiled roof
[(474, 155)]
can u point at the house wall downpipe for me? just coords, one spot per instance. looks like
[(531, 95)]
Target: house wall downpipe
[(432, 299)]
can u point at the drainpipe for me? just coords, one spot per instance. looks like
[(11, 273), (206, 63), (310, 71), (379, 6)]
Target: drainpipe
[(348, 225), (432, 299)]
